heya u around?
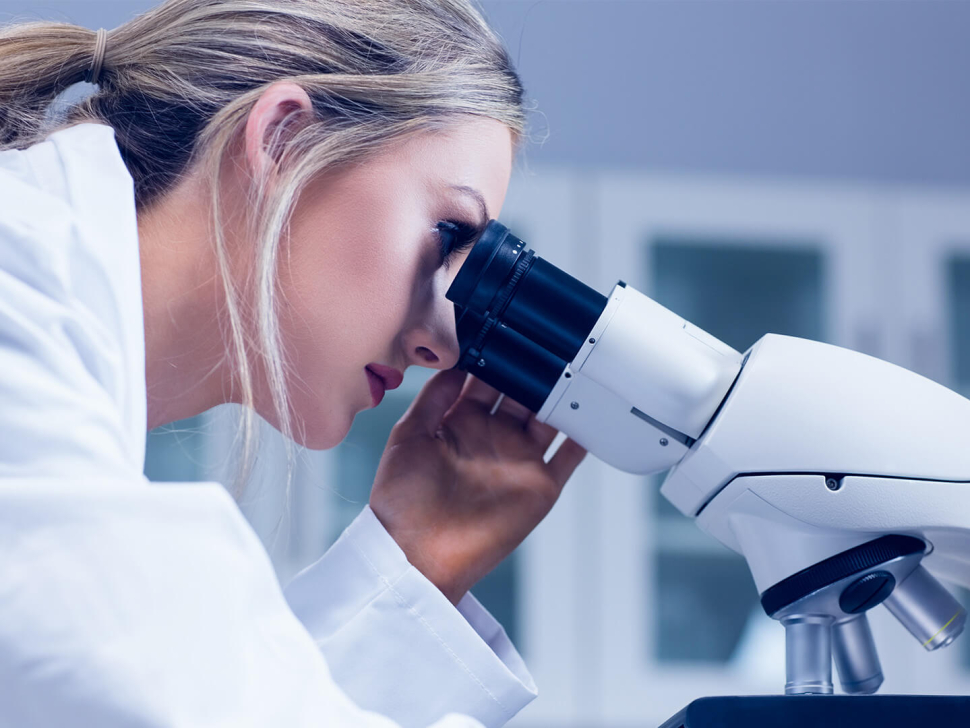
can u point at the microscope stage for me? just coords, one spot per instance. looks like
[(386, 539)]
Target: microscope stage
[(824, 711)]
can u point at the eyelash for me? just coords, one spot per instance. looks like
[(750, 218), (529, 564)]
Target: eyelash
[(464, 234)]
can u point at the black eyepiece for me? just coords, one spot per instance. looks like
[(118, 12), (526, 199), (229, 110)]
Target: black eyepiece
[(520, 319), (486, 268)]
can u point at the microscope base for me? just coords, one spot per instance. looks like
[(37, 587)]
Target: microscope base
[(828, 711)]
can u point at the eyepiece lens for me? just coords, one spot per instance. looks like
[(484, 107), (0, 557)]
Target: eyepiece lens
[(481, 273), (520, 319)]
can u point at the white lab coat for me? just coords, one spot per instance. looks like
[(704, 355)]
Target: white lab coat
[(127, 603)]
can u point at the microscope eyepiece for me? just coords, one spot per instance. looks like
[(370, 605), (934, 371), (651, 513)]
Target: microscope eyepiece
[(520, 319), (487, 267)]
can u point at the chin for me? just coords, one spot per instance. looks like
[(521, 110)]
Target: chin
[(314, 425), (323, 434)]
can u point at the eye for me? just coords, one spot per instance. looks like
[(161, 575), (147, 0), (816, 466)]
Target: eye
[(456, 237)]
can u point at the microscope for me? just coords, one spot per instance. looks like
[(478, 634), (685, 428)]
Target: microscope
[(843, 480)]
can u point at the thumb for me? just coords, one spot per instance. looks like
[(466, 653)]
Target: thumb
[(433, 401)]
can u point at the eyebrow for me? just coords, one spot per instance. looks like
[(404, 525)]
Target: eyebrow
[(472, 192)]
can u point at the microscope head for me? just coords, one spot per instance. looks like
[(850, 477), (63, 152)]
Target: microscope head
[(624, 377)]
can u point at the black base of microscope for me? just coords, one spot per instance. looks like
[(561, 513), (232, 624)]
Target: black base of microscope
[(824, 711)]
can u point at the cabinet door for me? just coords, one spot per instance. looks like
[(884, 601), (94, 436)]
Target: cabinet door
[(681, 616), (928, 301)]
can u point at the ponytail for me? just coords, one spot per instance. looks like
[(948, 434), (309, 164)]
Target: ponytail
[(37, 62)]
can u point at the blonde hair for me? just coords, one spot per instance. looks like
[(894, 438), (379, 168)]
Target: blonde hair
[(177, 85)]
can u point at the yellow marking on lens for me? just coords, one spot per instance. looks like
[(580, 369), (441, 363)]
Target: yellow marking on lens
[(942, 628)]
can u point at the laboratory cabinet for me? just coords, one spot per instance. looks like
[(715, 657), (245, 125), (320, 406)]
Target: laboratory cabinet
[(624, 611)]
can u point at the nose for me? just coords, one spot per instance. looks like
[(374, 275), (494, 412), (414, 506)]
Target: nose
[(433, 341)]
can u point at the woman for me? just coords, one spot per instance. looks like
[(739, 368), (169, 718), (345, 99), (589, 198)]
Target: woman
[(263, 203)]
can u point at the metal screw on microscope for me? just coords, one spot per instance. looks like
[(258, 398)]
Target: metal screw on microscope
[(574, 405), (833, 484), (664, 442), (481, 362), (592, 340)]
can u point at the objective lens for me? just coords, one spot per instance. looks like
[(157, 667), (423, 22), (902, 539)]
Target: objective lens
[(808, 654), (526, 314), (927, 609), (855, 656)]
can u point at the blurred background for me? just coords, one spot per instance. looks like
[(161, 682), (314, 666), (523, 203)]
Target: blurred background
[(797, 167)]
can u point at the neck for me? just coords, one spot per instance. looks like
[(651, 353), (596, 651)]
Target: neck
[(185, 368)]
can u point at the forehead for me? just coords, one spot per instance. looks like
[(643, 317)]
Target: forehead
[(474, 153)]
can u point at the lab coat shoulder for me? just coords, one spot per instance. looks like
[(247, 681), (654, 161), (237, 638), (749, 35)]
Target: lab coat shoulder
[(70, 315)]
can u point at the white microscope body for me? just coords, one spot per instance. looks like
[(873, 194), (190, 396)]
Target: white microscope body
[(836, 475)]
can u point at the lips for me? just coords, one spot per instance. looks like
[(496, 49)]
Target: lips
[(381, 379)]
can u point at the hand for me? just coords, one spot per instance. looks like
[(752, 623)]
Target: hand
[(458, 488)]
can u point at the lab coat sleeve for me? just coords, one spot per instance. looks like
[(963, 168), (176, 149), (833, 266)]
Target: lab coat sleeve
[(396, 644), (124, 603)]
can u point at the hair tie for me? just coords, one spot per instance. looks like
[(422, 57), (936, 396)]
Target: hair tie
[(94, 73)]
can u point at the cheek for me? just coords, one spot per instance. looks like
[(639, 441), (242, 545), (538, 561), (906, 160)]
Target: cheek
[(344, 299), (347, 293)]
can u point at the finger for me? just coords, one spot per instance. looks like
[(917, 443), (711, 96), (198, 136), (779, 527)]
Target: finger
[(515, 410), (433, 401), (567, 458), (542, 433), (476, 390)]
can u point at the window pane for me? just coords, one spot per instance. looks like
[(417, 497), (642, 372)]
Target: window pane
[(358, 456), (704, 606), (958, 294), (175, 452), (739, 294)]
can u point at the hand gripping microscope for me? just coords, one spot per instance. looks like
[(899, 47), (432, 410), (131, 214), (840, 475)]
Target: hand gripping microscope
[(843, 480)]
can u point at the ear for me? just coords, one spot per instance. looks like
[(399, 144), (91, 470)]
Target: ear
[(278, 103)]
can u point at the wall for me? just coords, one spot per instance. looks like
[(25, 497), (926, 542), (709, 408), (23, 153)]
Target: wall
[(829, 89)]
